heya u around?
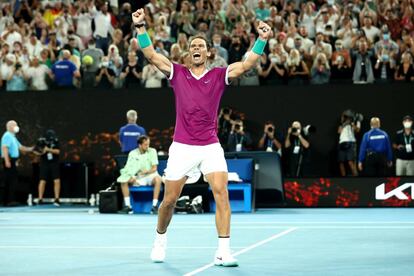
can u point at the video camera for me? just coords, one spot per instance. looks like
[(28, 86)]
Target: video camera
[(352, 116), (49, 140)]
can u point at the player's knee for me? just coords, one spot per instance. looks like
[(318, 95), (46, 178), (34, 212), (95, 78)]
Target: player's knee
[(220, 193), (169, 202)]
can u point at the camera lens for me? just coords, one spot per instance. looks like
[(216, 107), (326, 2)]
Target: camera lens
[(270, 129), (294, 130)]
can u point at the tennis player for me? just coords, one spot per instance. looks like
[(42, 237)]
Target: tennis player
[(195, 148)]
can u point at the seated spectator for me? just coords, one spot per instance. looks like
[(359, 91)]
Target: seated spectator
[(363, 71), (132, 72), (152, 76), (16, 80), (270, 140), (37, 74), (238, 139), (405, 70), (298, 71), (320, 72), (65, 71)]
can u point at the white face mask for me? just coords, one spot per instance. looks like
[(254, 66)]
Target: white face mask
[(16, 129), (407, 124)]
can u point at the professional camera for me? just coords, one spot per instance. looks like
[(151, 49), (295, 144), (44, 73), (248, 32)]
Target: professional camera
[(270, 129), (295, 130), (49, 140), (352, 116), (237, 127), (226, 111)]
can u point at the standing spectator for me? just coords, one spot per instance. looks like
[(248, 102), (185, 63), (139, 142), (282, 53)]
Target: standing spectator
[(307, 18), (297, 69), (7, 66), (262, 13), (320, 72), (220, 49), (152, 77), (175, 53), (47, 57), (347, 143), (236, 50), (297, 150), (16, 81), (306, 43), (270, 140), (404, 148), (37, 74), (384, 67), (370, 31), (375, 153), (132, 72), (341, 64), (11, 34), (34, 46), (65, 71), (129, 134), (405, 70), (239, 139), (10, 152), (104, 77), (277, 60), (96, 54), (363, 71), (120, 43), (103, 27), (214, 60), (321, 47), (83, 20)]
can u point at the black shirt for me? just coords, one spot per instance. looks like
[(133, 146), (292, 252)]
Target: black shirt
[(49, 157), (104, 82), (402, 139), (131, 80)]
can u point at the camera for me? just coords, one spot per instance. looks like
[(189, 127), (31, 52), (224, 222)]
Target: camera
[(226, 111), (40, 145), (352, 116), (270, 129), (18, 66), (237, 127), (295, 130), (48, 140)]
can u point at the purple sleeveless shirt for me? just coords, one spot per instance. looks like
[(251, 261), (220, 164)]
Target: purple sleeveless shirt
[(196, 102)]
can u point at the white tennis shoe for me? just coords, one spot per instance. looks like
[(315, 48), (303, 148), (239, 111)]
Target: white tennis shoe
[(224, 258), (159, 248)]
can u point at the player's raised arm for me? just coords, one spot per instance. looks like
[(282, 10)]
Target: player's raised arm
[(238, 68), (144, 41)]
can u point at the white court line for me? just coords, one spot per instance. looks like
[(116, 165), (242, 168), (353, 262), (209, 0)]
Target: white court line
[(100, 247), (281, 234)]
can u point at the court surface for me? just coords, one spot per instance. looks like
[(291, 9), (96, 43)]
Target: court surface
[(70, 241)]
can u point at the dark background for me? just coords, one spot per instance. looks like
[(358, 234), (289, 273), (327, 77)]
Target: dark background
[(87, 121)]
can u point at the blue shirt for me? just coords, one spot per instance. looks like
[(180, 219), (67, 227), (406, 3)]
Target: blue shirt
[(128, 136), (63, 71), (375, 140), (10, 141)]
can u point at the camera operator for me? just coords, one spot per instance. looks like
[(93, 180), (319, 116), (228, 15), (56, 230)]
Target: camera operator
[(297, 145), (269, 140), (350, 124), (48, 149), (404, 146), (238, 138)]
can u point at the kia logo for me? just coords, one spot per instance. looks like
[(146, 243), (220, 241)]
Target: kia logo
[(380, 193)]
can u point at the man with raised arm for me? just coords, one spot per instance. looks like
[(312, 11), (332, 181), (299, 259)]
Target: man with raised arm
[(196, 148)]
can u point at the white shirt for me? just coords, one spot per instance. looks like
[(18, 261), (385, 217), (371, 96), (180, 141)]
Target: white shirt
[(84, 25), (152, 76), (308, 22), (34, 50), (38, 76), (102, 24), (347, 134), (11, 38), (5, 71), (371, 33)]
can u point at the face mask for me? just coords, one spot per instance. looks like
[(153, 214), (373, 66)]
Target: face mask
[(385, 57), (386, 36), (407, 124), (16, 129), (105, 63), (338, 47), (217, 44)]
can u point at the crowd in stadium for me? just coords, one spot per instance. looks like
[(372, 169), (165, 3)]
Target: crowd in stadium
[(92, 43)]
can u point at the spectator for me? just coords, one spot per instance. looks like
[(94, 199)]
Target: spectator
[(236, 50), (370, 31), (104, 77), (347, 143), (297, 150), (375, 153), (270, 140), (386, 44), (49, 166), (384, 67), (320, 72), (152, 77), (16, 81), (11, 34), (307, 19), (276, 60), (10, 152), (7, 67), (34, 46), (262, 13), (346, 33), (47, 57), (133, 46), (141, 170), (297, 69), (96, 55), (363, 71), (224, 126), (132, 72), (84, 19), (321, 47), (251, 77), (214, 60), (238, 139), (220, 49), (120, 43), (306, 43), (175, 53), (404, 146), (341, 64), (103, 27), (405, 70), (37, 74), (65, 71), (129, 133)]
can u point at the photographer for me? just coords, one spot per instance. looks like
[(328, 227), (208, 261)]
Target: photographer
[(269, 141), (404, 145), (238, 138), (350, 124), (224, 126), (48, 149), (16, 80), (296, 145)]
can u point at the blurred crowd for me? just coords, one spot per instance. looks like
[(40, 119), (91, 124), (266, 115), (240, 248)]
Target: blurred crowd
[(54, 44)]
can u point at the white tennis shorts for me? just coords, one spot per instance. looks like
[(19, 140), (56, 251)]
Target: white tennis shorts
[(191, 161), (146, 180)]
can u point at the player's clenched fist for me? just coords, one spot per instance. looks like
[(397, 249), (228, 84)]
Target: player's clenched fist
[(138, 17)]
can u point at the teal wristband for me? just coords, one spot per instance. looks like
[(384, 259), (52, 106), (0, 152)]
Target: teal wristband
[(259, 46), (144, 40)]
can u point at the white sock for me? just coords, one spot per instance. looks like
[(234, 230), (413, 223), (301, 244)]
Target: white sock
[(224, 244), (159, 236), (127, 201), (154, 202)]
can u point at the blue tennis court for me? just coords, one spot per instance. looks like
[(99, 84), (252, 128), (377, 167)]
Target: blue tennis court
[(71, 241)]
